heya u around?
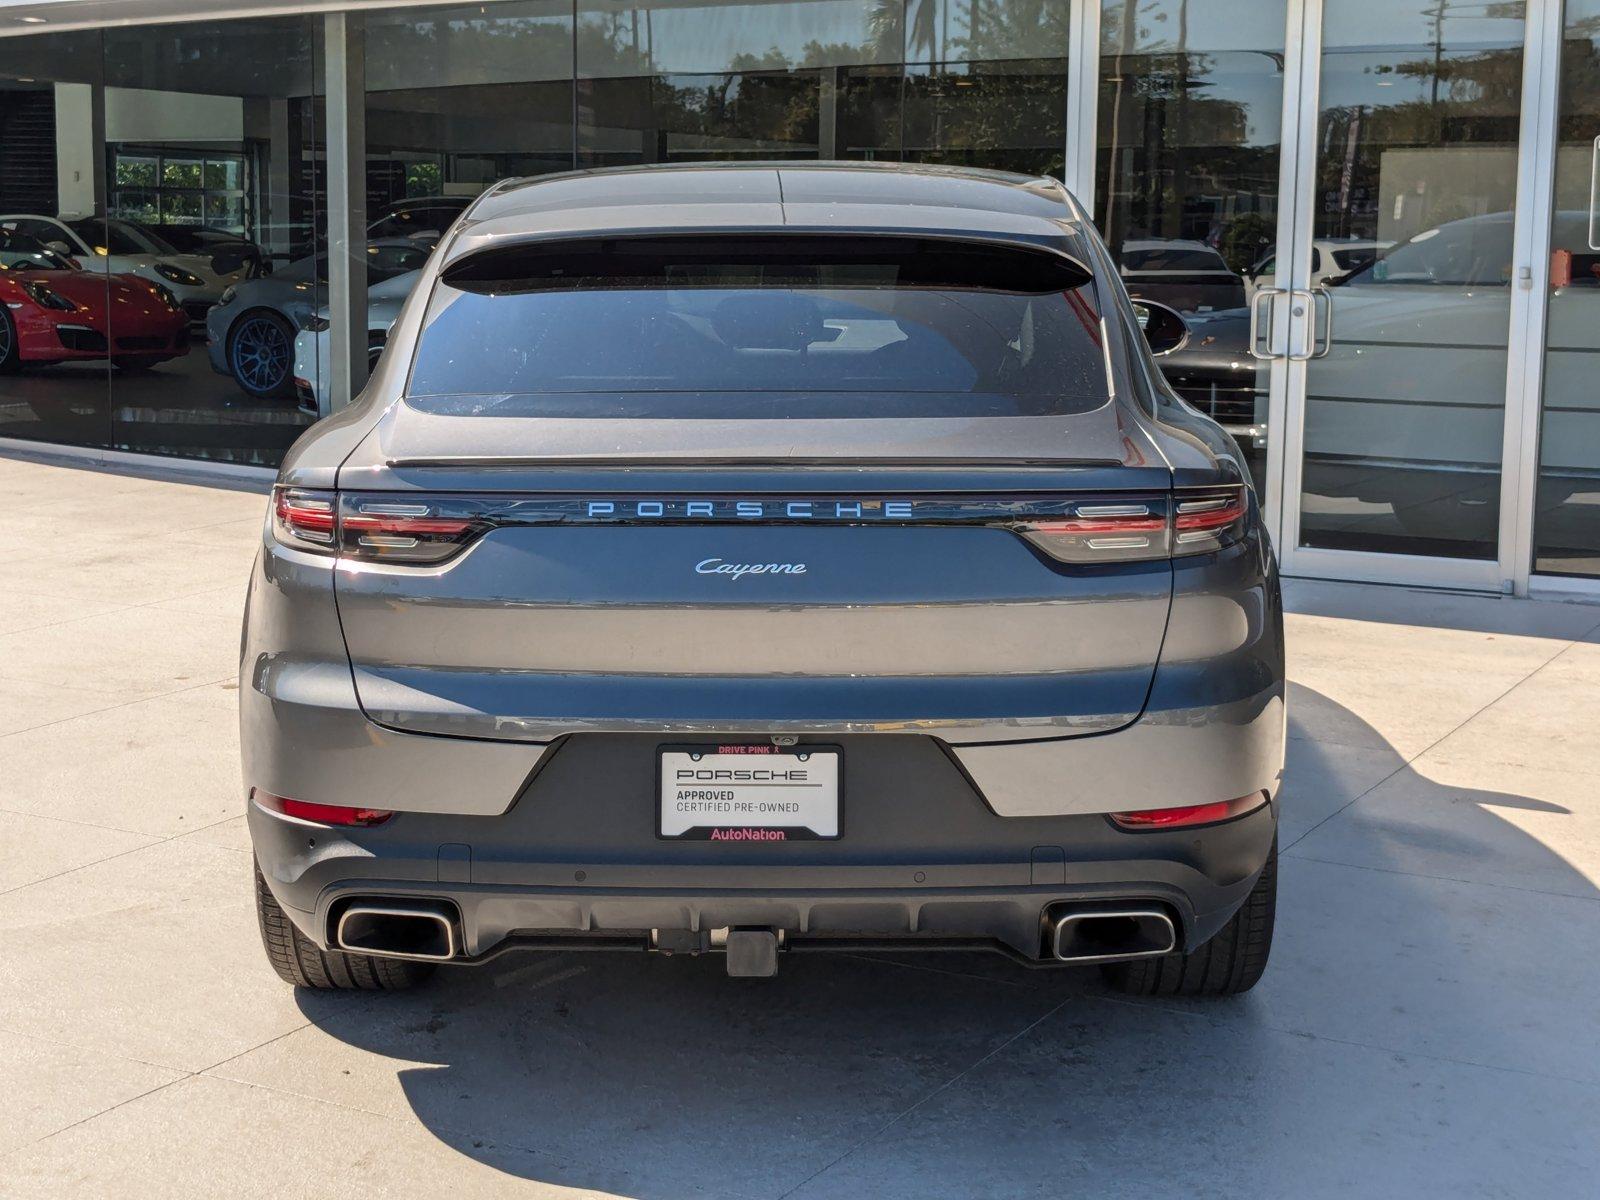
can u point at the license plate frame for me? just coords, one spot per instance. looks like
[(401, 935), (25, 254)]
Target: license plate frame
[(760, 828)]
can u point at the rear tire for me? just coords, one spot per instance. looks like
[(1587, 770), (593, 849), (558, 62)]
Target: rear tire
[(10, 352), (1230, 963), (297, 960)]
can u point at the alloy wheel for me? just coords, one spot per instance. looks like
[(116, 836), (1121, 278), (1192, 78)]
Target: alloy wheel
[(261, 353)]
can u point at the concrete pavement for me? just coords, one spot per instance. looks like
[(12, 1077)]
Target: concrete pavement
[(1427, 1026)]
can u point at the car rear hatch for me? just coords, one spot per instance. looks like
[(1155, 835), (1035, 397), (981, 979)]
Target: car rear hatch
[(524, 561)]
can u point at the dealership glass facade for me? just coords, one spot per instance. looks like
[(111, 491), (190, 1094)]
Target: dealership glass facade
[(146, 173), (1254, 162)]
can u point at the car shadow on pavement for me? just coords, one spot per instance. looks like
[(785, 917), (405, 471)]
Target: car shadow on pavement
[(1419, 1031)]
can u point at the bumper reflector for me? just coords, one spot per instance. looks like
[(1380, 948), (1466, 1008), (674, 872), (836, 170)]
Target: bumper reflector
[(1190, 814), (322, 814)]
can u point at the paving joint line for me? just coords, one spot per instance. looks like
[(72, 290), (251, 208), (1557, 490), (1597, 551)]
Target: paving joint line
[(1407, 763), (56, 1041), (938, 1091), (191, 687), (435, 1129), (1510, 887), (159, 841), (1376, 1048)]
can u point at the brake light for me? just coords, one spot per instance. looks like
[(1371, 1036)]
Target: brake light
[(303, 518), (413, 533), (387, 530), (322, 814), (1186, 523), (1189, 815)]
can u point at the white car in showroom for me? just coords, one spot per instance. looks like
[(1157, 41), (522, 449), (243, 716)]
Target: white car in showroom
[(313, 345), (123, 248), (1331, 258)]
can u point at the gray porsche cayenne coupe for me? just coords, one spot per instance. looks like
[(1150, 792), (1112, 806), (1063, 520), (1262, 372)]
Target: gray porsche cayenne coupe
[(752, 559)]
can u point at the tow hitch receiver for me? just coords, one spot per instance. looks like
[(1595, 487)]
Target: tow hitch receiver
[(752, 953)]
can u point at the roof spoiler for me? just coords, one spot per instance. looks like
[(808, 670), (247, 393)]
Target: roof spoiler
[(768, 259)]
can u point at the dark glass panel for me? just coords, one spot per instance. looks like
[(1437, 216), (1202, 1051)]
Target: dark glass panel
[(1190, 109), (53, 301), (1566, 525)]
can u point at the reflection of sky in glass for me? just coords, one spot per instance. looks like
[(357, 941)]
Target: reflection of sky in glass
[(1212, 25), (1195, 25), (1461, 24), (1368, 78), (687, 39), (1250, 81)]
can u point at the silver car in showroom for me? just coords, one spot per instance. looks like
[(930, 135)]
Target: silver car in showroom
[(250, 333), (754, 559), (313, 348)]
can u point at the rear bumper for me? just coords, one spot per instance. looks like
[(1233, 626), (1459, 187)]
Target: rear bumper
[(994, 899), (1212, 727)]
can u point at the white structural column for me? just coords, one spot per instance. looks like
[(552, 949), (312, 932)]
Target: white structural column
[(1083, 100), (346, 73), (1530, 289)]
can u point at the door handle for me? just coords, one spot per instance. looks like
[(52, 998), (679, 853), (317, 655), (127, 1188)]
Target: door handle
[(1322, 300), (1301, 304), (1594, 196), (1270, 295)]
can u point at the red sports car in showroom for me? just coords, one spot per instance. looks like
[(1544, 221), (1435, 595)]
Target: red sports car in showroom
[(53, 311)]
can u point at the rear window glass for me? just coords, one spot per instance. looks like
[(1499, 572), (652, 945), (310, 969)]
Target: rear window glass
[(762, 327), (1172, 258), (1474, 251), (1354, 260)]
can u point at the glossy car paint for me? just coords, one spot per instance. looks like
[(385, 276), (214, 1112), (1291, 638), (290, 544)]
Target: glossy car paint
[(506, 703), (286, 302), (201, 288), (146, 329), (313, 347)]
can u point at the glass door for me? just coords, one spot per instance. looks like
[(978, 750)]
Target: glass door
[(1393, 320), (1187, 185), (1566, 497)]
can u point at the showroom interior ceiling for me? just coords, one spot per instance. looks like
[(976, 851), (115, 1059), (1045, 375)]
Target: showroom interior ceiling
[(40, 16)]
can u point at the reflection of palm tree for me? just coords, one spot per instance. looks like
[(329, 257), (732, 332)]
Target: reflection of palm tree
[(886, 30), (920, 40)]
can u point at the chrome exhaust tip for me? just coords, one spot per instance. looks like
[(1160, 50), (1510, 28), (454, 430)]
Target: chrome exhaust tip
[(1113, 935), (420, 932)]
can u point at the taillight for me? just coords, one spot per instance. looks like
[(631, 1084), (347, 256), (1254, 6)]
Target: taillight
[(1188, 815), (1185, 523), (1208, 522), (395, 531), (304, 518), (386, 530), (322, 814)]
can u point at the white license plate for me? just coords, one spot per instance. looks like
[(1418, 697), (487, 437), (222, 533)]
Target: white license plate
[(749, 793)]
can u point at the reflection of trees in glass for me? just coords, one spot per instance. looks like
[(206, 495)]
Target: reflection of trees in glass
[(1448, 100), (136, 206), (424, 179), (1181, 154), (136, 172), (1177, 161), (987, 83), (758, 103), (178, 173), (498, 47)]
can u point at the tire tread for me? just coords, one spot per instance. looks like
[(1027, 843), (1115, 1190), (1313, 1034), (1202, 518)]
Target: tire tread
[(297, 959), (1230, 963)]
